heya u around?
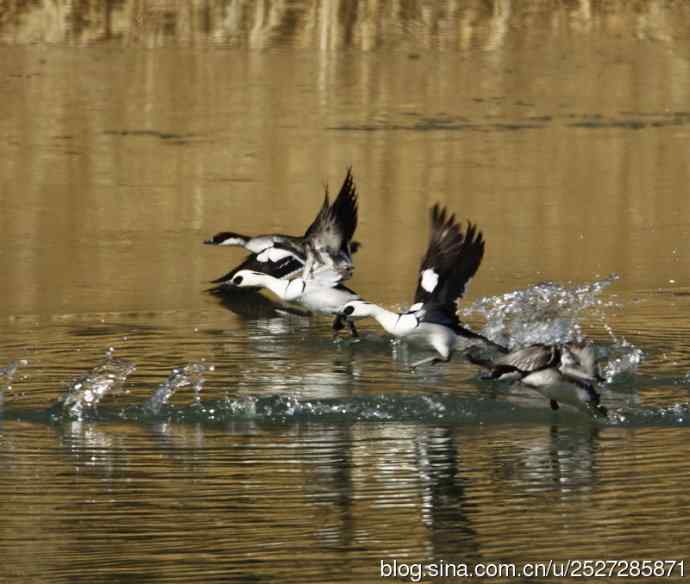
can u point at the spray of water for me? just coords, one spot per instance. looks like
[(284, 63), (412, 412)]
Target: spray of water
[(551, 313), (191, 375), (87, 391), (7, 376)]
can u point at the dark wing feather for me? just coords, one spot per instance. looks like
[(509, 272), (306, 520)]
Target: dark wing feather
[(335, 225), (452, 258), (320, 217), (346, 210), (530, 359), (444, 244), (466, 263)]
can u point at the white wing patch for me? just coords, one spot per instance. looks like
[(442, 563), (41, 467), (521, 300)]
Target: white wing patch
[(429, 279), (415, 307), (273, 254)]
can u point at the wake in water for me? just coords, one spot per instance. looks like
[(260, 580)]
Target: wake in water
[(110, 377), (547, 313)]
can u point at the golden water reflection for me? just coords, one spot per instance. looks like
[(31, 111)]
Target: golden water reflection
[(349, 497), (570, 155), (334, 24), (130, 131)]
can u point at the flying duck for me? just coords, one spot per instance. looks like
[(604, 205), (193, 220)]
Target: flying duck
[(451, 260), (326, 261), (564, 373), (285, 256)]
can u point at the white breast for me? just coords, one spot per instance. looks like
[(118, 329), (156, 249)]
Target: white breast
[(326, 300)]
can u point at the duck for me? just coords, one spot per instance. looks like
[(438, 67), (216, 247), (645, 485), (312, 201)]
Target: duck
[(563, 373), (321, 293), (285, 256), (452, 258), (327, 262)]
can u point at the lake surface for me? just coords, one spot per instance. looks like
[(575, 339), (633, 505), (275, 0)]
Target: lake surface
[(232, 442)]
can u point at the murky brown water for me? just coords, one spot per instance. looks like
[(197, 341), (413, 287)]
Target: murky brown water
[(131, 131)]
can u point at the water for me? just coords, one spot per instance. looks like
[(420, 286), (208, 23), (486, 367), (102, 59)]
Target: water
[(150, 431)]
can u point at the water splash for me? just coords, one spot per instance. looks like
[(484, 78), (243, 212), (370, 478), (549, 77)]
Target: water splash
[(189, 375), (552, 313), (86, 392), (7, 376), (622, 357), (544, 313), (418, 409)]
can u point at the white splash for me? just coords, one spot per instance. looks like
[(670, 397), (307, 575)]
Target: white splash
[(87, 391), (7, 376), (544, 313), (191, 375), (552, 313)]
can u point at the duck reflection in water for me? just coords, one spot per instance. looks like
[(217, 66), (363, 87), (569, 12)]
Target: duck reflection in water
[(562, 457), (444, 512)]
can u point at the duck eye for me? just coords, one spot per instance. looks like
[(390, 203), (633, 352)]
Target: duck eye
[(349, 310), (237, 280)]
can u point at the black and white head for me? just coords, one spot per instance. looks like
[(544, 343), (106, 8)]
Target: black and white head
[(227, 238), (248, 279), (358, 309)]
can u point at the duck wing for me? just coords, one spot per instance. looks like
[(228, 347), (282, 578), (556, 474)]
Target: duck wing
[(530, 359), (328, 240), (451, 259), (444, 244)]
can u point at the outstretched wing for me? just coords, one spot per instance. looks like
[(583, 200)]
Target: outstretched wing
[(334, 226), (463, 268), (444, 243), (328, 241), (451, 259), (320, 217)]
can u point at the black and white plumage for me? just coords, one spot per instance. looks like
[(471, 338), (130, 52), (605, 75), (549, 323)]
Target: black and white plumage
[(322, 292), (274, 261), (451, 260), (325, 258), (326, 242), (564, 373)]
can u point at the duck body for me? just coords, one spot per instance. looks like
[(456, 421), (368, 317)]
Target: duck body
[(563, 373), (326, 242), (451, 260), (326, 300), (321, 294)]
